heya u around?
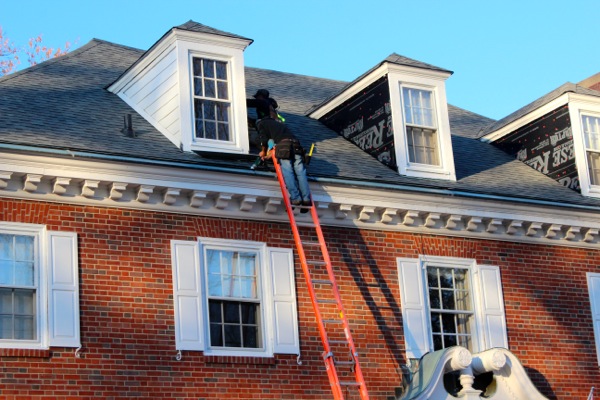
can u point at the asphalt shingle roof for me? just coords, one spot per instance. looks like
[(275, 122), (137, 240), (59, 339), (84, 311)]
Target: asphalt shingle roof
[(63, 103)]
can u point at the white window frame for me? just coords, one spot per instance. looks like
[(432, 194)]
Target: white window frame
[(278, 297), (187, 51), (58, 287), (416, 314), (434, 127), (203, 142), (399, 78), (580, 106), (265, 316), (41, 320), (593, 281)]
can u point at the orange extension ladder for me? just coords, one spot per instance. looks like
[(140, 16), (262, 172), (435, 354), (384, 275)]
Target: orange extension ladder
[(340, 355)]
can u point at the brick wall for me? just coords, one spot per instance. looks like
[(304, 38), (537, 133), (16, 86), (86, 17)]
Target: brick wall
[(127, 322)]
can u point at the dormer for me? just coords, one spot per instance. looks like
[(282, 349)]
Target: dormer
[(558, 135), (190, 86), (402, 93)]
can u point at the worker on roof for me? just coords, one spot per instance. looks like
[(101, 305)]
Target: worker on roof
[(290, 155), (265, 105)]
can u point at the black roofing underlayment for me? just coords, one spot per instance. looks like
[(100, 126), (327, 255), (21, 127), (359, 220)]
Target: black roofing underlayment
[(63, 103)]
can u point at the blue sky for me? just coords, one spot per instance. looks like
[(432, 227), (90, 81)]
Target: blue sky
[(504, 54)]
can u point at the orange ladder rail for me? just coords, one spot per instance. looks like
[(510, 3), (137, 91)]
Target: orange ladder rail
[(328, 355)]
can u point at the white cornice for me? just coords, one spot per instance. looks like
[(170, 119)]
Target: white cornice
[(230, 195)]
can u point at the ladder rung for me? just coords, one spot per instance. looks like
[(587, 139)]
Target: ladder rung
[(310, 243), (338, 342), (322, 281), (317, 263), (344, 362), (326, 301), (332, 321), (350, 383)]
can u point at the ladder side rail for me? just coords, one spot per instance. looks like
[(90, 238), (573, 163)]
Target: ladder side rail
[(331, 371), (327, 259)]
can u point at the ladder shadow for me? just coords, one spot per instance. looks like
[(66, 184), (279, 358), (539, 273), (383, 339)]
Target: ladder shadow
[(388, 317)]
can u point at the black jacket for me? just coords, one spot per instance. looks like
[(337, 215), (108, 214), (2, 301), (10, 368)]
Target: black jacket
[(268, 128)]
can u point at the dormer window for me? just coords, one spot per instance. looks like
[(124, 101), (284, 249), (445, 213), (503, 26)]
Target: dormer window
[(421, 132), (398, 114), (591, 133), (191, 87), (212, 107)]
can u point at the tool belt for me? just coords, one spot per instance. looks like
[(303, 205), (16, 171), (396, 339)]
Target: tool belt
[(286, 149)]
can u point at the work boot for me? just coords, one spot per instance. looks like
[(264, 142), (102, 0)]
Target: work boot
[(306, 204)]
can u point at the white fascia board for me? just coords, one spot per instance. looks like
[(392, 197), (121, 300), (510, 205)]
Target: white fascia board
[(350, 92), (527, 118), (214, 39), (162, 48), (380, 71)]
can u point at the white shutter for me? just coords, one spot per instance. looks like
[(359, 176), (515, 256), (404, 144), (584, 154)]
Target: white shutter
[(283, 293), (63, 289), (414, 311), (492, 307), (187, 295), (594, 288)]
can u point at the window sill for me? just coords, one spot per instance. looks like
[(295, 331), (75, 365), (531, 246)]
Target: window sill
[(26, 353), (239, 360)]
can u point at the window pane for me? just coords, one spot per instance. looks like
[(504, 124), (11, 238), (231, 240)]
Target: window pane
[(24, 302), (6, 302), (6, 247), (436, 326), (249, 311), (6, 272), (222, 90), (594, 167), (233, 336), (24, 328), (591, 131), (214, 311), (197, 66), (448, 300), (434, 299), (448, 323), (209, 110), (223, 132), (221, 70), (222, 112), (6, 326), (210, 130), (216, 335), (250, 334), (24, 248), (199, 128), (210, 89), (437, 342), (209, 68), (197, 87), (24, 273), (449, 340), (231, 310)]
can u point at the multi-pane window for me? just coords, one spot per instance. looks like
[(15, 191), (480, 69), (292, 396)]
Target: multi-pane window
[(212, 106), (421, 132), (18, 289), (591, 133), (234, 303), (450, 306)]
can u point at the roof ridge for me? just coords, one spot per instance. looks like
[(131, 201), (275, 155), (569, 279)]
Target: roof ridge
[(295, 74)]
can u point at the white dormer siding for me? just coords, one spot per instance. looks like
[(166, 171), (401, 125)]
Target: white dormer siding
[(197, 108), (398, 113)]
